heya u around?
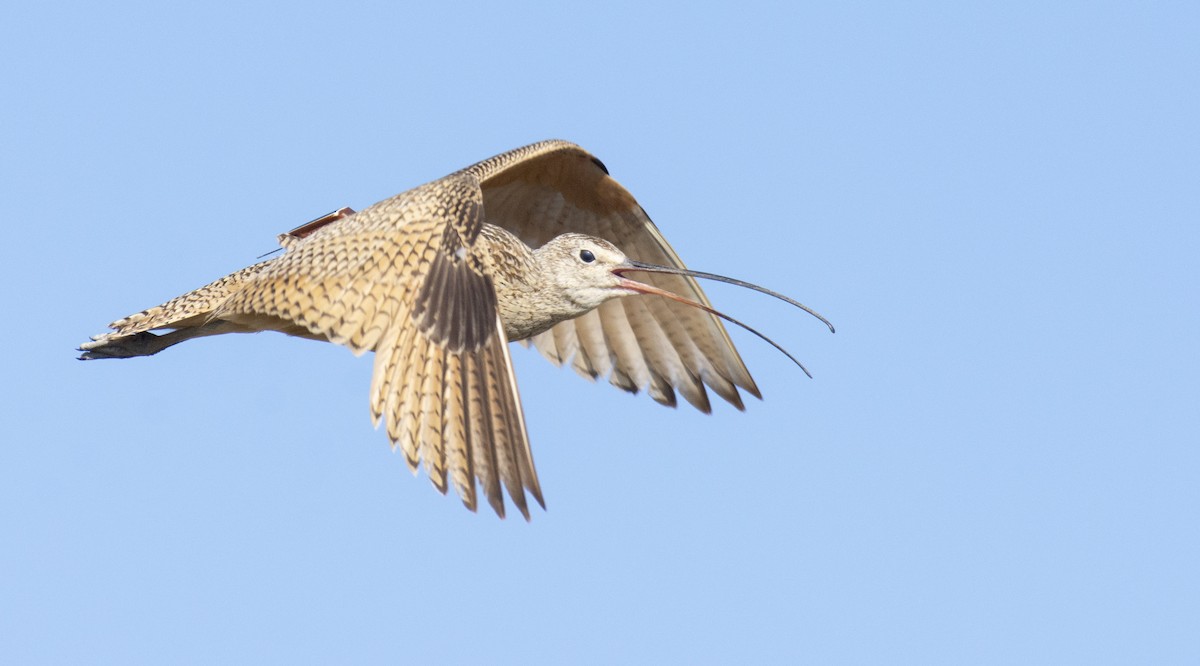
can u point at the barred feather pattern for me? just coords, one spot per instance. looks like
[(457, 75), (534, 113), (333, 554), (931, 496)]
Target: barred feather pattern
[(436, 281)]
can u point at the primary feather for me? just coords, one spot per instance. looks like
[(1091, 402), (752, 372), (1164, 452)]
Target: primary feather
[(437, 280)]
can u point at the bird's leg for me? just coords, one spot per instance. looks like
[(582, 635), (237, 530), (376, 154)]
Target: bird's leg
[(146, 343)]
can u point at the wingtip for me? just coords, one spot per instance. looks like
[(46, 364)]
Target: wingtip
[(470, 504), (497, 505), (750, 387), (537, 496)]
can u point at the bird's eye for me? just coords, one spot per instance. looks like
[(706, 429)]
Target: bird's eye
[(587, 256)]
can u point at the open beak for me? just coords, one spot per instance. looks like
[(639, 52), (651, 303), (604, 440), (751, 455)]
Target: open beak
[(631, 265)]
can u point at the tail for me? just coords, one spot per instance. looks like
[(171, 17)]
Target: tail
[(191, 315)]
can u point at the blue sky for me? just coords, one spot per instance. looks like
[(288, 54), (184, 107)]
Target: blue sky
[(996, 461)]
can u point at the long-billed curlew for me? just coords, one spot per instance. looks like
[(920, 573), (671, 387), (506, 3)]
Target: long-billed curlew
[(436, 280)]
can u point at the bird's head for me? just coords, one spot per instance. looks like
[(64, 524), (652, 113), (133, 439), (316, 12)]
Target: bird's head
[(582, 269), (588, 271)]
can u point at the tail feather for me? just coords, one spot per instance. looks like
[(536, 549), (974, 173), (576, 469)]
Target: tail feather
[(190, 315)]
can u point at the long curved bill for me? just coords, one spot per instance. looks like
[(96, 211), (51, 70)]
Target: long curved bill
[(643, 288)]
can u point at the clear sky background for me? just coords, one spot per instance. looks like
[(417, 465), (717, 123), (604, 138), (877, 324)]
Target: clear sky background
[(997, 462)]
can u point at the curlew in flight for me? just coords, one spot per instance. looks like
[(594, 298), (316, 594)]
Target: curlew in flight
[(437, 280)]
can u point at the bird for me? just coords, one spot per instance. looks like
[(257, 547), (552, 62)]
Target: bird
[(533, 245)]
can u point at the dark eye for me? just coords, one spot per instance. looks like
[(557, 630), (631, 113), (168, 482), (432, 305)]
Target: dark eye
[(587, 256)]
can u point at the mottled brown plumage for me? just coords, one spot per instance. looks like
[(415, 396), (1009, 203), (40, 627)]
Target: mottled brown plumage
[(438, 279)]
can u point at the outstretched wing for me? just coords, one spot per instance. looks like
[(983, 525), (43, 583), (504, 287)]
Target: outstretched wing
[(553, 187), (404, 278)]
